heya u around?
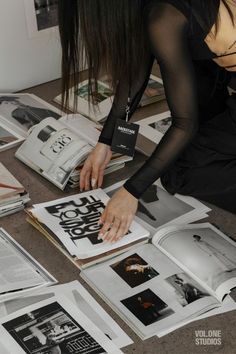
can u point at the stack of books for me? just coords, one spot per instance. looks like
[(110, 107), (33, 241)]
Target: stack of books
[(13, 196)]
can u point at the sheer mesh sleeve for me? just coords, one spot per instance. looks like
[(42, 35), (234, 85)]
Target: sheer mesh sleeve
[(168, 29), (118, 109)]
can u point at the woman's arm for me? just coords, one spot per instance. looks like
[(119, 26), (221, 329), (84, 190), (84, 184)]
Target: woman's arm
[(169, 35)]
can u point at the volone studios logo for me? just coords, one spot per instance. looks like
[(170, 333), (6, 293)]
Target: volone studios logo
[(126, 130), (210, 337)]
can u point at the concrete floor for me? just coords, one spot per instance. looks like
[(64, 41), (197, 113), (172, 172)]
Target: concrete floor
[(181, 341)]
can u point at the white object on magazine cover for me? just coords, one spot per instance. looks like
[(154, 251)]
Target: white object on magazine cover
[(74, 221), (55, 325), (158, 208), (53, 151), (20, 112), (185, 272), (19, 272), (82, 299)]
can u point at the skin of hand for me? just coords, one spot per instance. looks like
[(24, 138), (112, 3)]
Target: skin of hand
[(118, 216), (92, 172)]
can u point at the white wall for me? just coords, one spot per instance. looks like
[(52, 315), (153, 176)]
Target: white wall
[(25, 61)]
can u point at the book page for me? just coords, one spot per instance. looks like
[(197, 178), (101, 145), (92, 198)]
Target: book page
[(18, 270), (82, 299), (148, 290), (202, 251), (53, 326), (74, 221)]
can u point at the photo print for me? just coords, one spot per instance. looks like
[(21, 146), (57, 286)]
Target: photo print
[(8, 138), (46, 12), (79, 219), (213, 257), (157, 207), (103, 93), (162, 125), (187, 290), (50, 329), (147, 307), (24, 111), (134, 270)]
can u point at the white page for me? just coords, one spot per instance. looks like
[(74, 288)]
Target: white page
[(173, 295), (54, 324), (82, 299), (74, 220), (18, 270), (204, 252)]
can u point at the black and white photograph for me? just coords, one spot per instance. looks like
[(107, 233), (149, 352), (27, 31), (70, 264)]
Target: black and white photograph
[(134, 270), (147, 307), (162, 125), (204, 252), (187, 290), (23, 111), (50, 329), (46, 13), (157, 207)]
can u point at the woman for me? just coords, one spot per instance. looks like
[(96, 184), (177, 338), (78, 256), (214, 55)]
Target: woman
[(194, 43)]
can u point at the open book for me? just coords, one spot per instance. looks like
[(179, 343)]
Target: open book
[(104, 99), (71, 223), (19, 272), (186, 271), (18, 113), (57, 148)]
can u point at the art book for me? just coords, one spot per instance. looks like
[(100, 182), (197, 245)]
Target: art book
[(71, 223), (184, 272), (19, 272), (99, 111), (54, 325), (20, 112), (13, 196), (56, 149)]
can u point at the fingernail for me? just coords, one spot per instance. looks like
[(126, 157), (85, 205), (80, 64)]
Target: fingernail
[(93, 182), (100, 236)]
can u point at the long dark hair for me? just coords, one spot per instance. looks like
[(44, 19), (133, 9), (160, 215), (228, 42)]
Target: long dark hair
[(109, 35)]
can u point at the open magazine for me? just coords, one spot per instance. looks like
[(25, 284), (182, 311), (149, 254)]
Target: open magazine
[(81, 298), (18, 113), (71, 223), (99, 111), (54, 325), (186, 271), (19, 272), (56, 149)]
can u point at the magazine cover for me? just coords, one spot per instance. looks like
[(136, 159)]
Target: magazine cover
[(74, 221), (54, 151)]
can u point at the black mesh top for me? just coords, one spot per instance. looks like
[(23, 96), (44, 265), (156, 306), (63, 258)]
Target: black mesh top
[(178, 41)]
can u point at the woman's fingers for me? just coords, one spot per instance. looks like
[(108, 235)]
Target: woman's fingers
[(111, 234), (106, 225)]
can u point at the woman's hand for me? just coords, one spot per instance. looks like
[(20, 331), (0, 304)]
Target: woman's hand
[(118, 216), (92, 172)]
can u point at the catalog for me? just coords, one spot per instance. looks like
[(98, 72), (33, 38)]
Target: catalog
[(19, 272), (99, 111), (158, 208), (83, 301), (54, 325), (55, 148), (71, 223), (18, 113), (186, 271)]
